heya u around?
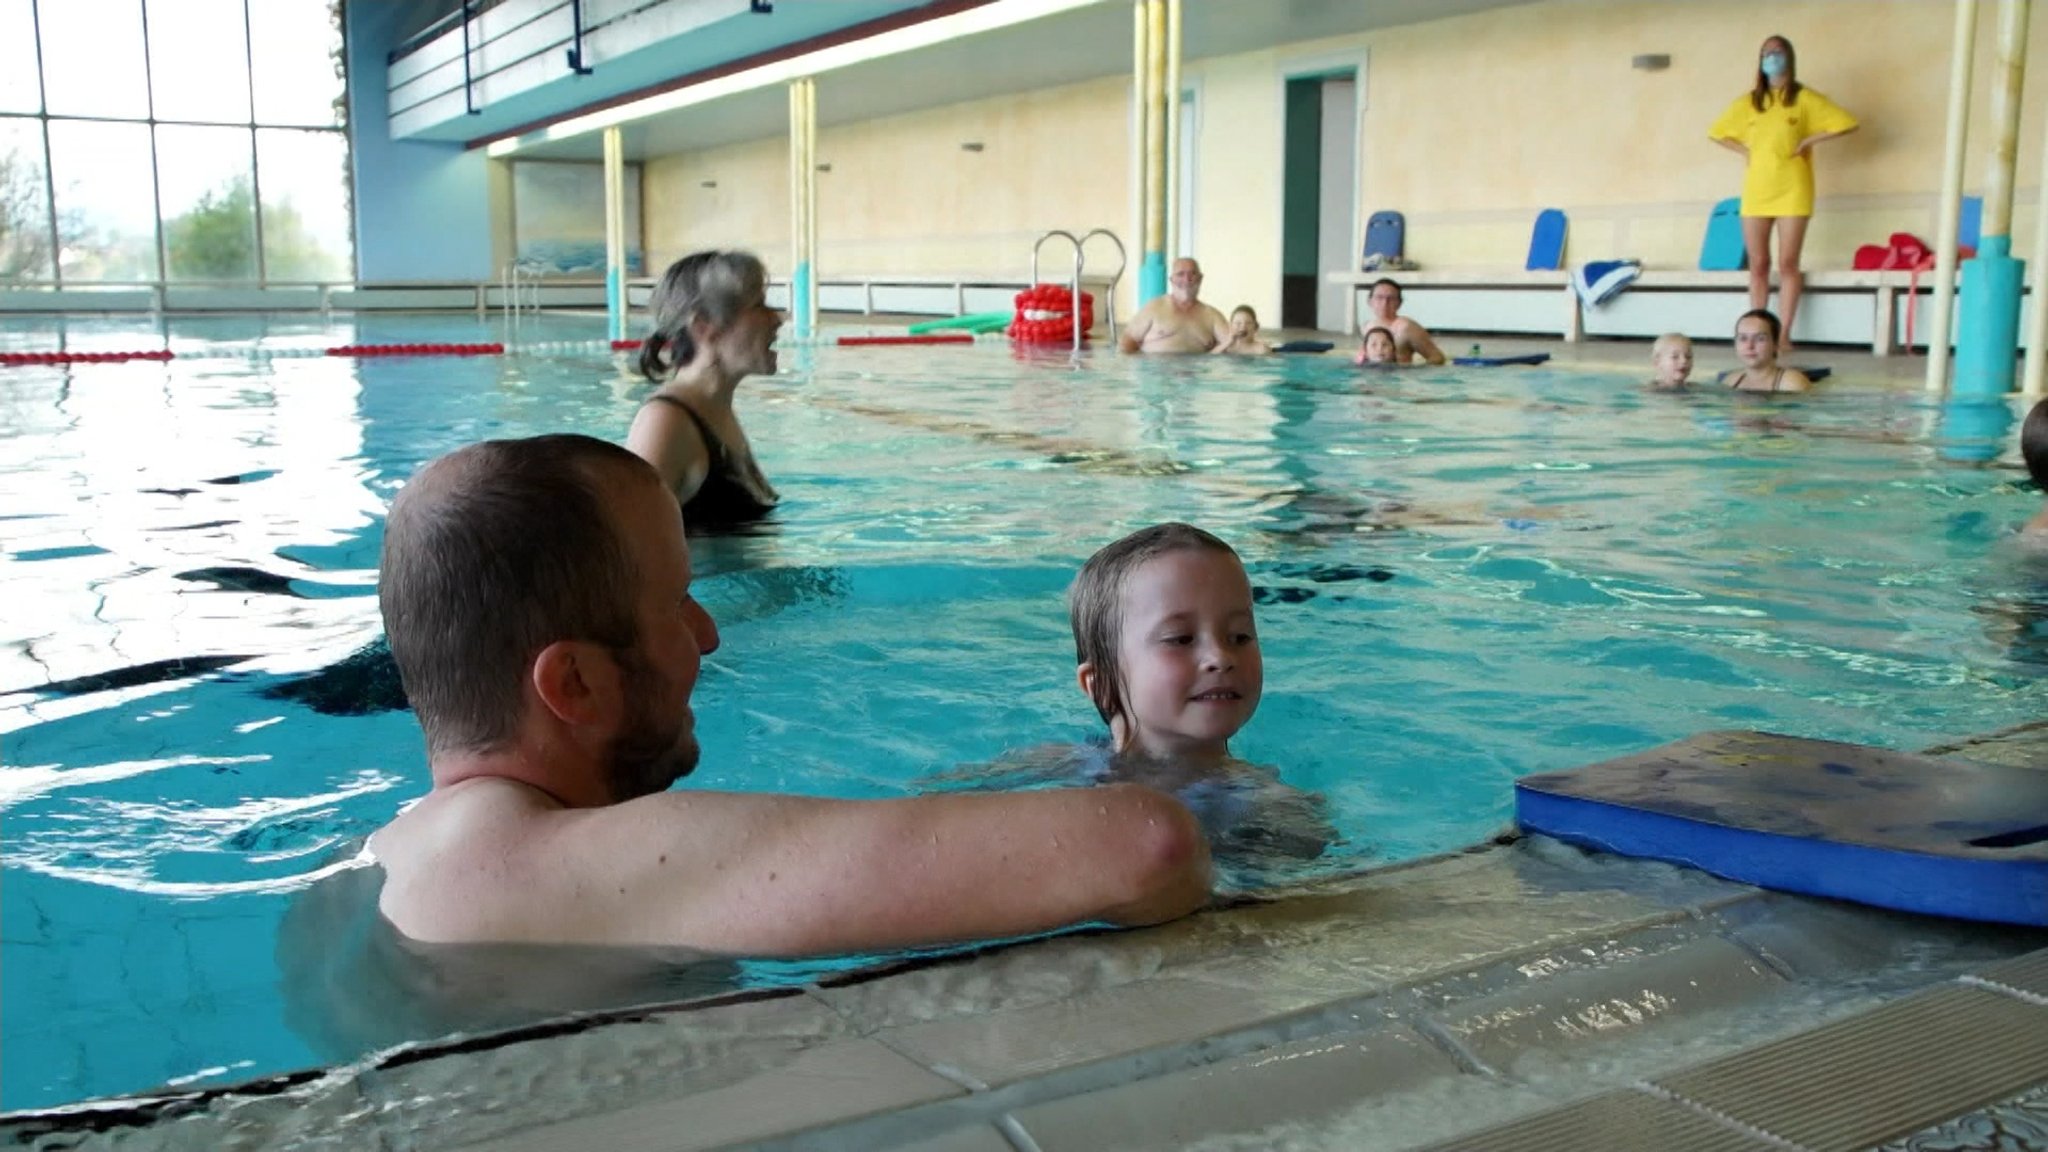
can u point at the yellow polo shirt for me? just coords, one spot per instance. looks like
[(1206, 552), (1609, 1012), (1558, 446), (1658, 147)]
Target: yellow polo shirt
[(1779, 183)]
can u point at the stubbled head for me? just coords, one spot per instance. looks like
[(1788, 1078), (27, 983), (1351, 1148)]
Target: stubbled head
[(2034, 443), (512, 568), (1671, 358), (1244, 323), (1756, 338), (1379, 346), (710, 299), (491, 553), (1197, 584), (1184, 282)]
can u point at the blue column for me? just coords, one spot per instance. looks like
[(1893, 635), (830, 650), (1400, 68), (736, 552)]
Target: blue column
[(799, 299), (1988, 320), (1151, 278)]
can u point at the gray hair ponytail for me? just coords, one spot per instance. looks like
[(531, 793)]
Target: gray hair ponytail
[(712, 285)]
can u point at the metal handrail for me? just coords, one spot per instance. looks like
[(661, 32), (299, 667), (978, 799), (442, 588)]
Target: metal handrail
[(1075, 301), (1123, 261)]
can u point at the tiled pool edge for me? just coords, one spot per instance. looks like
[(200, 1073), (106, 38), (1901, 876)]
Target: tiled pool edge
[(362, 1105)]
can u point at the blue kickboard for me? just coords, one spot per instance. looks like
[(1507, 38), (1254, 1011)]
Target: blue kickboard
[(1546, 242), (1299, 346), (1386, 234), (1721, 250), (1848, 821), (1499, 361)]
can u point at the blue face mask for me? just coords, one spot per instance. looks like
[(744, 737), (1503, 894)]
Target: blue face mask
[(1772, 65)]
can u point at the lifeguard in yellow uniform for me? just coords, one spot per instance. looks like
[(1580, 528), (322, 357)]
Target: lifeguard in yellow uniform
[(1775, 126)]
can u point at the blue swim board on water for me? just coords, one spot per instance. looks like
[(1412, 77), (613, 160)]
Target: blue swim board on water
[(1942, 837), (1294, 346), (1498, 361), (1721, 250)]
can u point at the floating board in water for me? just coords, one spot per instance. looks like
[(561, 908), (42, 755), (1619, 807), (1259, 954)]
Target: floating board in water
[(1816, 374), (1293, 346), (1943, 837), (1498, 361)]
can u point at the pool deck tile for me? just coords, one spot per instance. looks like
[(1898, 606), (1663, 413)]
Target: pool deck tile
[(839, 1081), (1289, 1083), (443, 1101), (1607, 1002)]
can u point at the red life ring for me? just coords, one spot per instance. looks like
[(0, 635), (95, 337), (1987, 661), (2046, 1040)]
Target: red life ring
[(1046, 315)]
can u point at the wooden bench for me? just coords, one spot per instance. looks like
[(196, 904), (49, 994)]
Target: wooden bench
[(1839, 306)]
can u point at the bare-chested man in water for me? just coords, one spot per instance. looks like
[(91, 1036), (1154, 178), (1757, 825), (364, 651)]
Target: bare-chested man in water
[(1176, 323), (1410, 339)]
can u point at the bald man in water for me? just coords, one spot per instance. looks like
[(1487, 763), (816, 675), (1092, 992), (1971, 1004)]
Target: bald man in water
[(1178, 322), (536, 594)]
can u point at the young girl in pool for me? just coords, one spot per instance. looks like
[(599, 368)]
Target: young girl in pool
[(1167, 649), (1377, 347), (1756, 345)]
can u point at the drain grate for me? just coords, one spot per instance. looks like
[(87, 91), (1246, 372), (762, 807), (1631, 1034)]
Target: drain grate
[(1616, 1122), (2027, 973), (1881, 1075)]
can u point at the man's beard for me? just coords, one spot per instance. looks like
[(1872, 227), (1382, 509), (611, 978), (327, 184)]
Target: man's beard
[(652, 751)]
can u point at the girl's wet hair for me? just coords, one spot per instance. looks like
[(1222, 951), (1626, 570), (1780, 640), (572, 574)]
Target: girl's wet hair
[(1769, 318), (1095, 604), (714, 286)]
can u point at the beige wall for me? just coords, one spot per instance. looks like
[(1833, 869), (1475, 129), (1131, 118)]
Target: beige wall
[(1471, 125), (903, 197)]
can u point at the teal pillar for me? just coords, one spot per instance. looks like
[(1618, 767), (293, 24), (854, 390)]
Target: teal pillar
[(1988, 320), (1151, 278)]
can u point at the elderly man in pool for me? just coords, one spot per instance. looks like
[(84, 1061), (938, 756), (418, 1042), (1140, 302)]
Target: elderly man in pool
[(1177, 322), (537, 598)]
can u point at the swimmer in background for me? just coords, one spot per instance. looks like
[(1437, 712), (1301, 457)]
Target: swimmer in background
[(1244, 334), (1670, 362), (1378, 348), (1757, 335), (1178, 322), (2034, 450), (1411, 340)]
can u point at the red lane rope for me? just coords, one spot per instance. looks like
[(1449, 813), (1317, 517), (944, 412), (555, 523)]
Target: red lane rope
[(935, 338)]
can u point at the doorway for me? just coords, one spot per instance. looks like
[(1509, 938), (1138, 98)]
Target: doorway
[(1319, 198)]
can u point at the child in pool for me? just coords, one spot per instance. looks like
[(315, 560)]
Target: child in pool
[(1167, 649), (2034, 450), (1377, 347), (1670, 362), (1244, 335)]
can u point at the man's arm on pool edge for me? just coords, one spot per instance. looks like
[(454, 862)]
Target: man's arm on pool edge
[(766, 875)]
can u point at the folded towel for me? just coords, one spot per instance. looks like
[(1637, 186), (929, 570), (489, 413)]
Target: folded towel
[(1598, 281)]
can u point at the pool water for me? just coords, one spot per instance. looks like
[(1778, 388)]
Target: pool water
[(1464, 576)]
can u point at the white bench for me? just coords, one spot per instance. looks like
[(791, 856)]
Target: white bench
[(1848, 307)]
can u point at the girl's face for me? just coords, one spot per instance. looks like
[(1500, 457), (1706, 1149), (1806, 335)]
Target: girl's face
[(1673, 361), (1190, 654), (1243, 326), (1379, 348), (1754, 345)]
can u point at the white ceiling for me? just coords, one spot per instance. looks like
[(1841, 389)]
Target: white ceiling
[(1083, 44)]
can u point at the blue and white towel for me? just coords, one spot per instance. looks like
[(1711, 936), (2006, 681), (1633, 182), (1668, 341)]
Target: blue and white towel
[(1599, 281)]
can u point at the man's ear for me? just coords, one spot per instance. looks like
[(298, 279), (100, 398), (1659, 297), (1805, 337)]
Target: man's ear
[(577, 681)]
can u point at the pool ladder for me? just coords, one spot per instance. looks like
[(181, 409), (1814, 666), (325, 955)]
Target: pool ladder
[(1080, 245), (518, 290)]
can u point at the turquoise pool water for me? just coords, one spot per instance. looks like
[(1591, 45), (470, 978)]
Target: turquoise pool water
[(1465, 576)]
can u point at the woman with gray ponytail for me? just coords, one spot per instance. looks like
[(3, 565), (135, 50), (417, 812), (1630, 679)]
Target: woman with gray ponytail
[(712, 327)]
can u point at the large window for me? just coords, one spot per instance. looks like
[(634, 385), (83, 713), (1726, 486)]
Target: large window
[(193, 141)]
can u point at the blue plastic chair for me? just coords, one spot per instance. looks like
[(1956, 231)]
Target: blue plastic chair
[(1721, 250), (1546, 242)]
